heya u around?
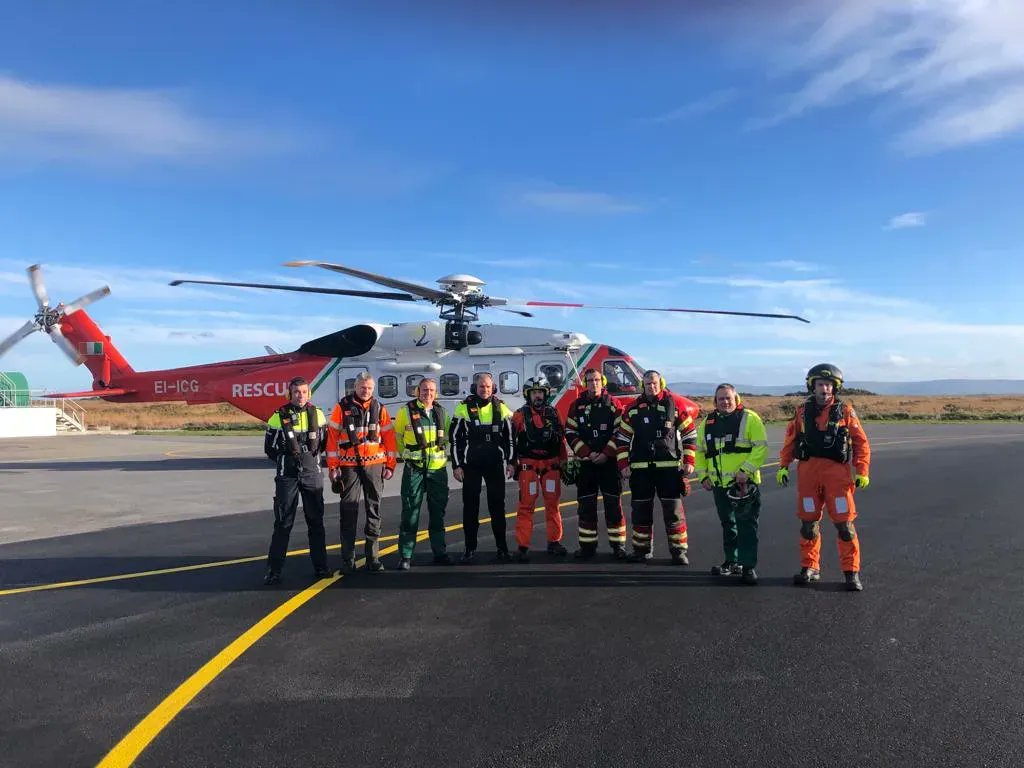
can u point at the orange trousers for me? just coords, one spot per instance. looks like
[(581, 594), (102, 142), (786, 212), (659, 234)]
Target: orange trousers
[(537, 477), (826, 484)]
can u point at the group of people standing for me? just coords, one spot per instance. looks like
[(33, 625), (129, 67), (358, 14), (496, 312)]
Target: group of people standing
[(653, 445)]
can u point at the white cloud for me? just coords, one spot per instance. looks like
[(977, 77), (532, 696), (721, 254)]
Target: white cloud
[(99, 124), (908, 220), (954, 67), (569, 201), (796, 266), (693, 109)]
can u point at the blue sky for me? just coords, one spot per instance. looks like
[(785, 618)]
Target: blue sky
[(845, 161)]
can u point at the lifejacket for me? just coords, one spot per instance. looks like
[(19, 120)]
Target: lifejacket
[(595, 420), (655, 436), (428, 450), (831, 443), (479, 432), (539, 442), (356, 418), (724, 433), (300, 442)]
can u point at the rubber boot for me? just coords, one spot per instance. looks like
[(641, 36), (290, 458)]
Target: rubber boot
[(806, 576), (851, 581)]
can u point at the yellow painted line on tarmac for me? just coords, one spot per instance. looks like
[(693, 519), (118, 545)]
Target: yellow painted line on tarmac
[(141, 736)]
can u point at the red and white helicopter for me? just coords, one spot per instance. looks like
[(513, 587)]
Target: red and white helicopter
[(455, 350)]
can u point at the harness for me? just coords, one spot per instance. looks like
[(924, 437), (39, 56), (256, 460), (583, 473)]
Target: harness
[(416, 415), (655, 437), (310, 439), (595, 419), (355, 417), (539, 442), (480, 432), (722, 431), (831, 443)]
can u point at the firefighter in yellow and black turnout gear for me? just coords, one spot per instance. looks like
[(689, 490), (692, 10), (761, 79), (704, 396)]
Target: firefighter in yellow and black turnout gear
[(590, 433), (421, 428), (295, 441), (731, 447)]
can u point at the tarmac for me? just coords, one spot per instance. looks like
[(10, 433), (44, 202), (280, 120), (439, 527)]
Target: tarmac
[(134, 626)]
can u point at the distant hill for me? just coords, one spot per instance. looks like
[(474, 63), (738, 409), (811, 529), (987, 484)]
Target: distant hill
[(935, 387)]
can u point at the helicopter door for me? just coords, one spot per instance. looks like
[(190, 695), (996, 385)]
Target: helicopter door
[(347, 379)]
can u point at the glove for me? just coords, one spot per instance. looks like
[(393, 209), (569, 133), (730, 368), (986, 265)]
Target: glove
[(862, 481), (685, 484), (782, 476)]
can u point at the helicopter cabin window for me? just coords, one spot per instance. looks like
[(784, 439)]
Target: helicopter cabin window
[(476, 377), (350, 386), (509, 382), (411, 383), (449, 385), (553, 372), (622, 379), (387, 387)]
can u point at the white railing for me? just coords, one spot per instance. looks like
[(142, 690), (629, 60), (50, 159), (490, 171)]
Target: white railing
[(68, 410)]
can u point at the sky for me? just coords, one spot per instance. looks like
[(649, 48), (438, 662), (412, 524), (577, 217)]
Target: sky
[(854, 162)]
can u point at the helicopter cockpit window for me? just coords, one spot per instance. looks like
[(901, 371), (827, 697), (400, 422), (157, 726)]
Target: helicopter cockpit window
[(411, 383), (622, 379), (554, 373), (387, 387), (449, 385), (508, 382)]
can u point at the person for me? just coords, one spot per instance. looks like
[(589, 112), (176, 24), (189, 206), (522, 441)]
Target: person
[(421, 426), (826, 437), (361, 455), (590, 433), (482, 451), (295, 442), (732, 444), (540, 453), (655, 440)]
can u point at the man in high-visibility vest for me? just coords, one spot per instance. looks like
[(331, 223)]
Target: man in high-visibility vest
[(361, 456), (731, 447), (295, 442), (421, 428)]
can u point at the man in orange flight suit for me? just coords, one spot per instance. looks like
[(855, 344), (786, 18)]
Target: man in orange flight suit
[(361, 455), (540, 451), (826, 436)]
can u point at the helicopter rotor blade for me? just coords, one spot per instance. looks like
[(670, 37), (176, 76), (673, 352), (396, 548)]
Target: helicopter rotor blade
[(18, 335), (431, 294), (305, 289), (35, 279), (572, 305), (65, 346), (83, 301)]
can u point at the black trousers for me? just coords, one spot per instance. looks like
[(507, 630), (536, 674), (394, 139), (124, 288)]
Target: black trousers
[(494, 475), (663, 482), (287, 491), (604, 478), (367, 485)]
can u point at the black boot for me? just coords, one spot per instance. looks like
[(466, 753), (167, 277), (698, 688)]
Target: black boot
[(271, 577), (404, 564), (322, 573), (373, 566), (468, 557), (556, 548), (348, 565), (585, 552), (523, 555), (443, 559), (679, 557), (725, 569), (502, 556), (619, 552), (851, 581), (806, 576), (749, 576), (641, 557)]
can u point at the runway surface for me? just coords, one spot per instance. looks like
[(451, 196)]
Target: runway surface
[(552, 663)]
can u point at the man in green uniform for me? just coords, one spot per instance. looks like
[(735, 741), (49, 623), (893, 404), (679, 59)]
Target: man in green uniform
[(421, 427), (731, 447)]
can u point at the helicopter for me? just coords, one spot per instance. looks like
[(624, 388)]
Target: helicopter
[(456, 349)]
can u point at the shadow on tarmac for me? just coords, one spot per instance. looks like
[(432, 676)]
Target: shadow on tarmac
[(184, 464)]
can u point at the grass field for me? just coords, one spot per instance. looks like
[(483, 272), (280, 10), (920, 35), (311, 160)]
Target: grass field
[(218, 419)]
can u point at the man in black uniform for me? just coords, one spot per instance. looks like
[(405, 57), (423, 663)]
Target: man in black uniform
[(590, 433), (482, 450), (295, 441)]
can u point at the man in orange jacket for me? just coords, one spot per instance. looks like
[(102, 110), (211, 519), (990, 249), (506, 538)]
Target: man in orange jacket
[(826, 436), (540, 452), (361, 455)]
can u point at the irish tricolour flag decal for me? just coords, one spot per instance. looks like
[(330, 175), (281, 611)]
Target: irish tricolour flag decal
[(91, 347)]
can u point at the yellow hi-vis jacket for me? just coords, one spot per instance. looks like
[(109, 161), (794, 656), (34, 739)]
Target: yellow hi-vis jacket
[(729, 443), (408, 445)]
